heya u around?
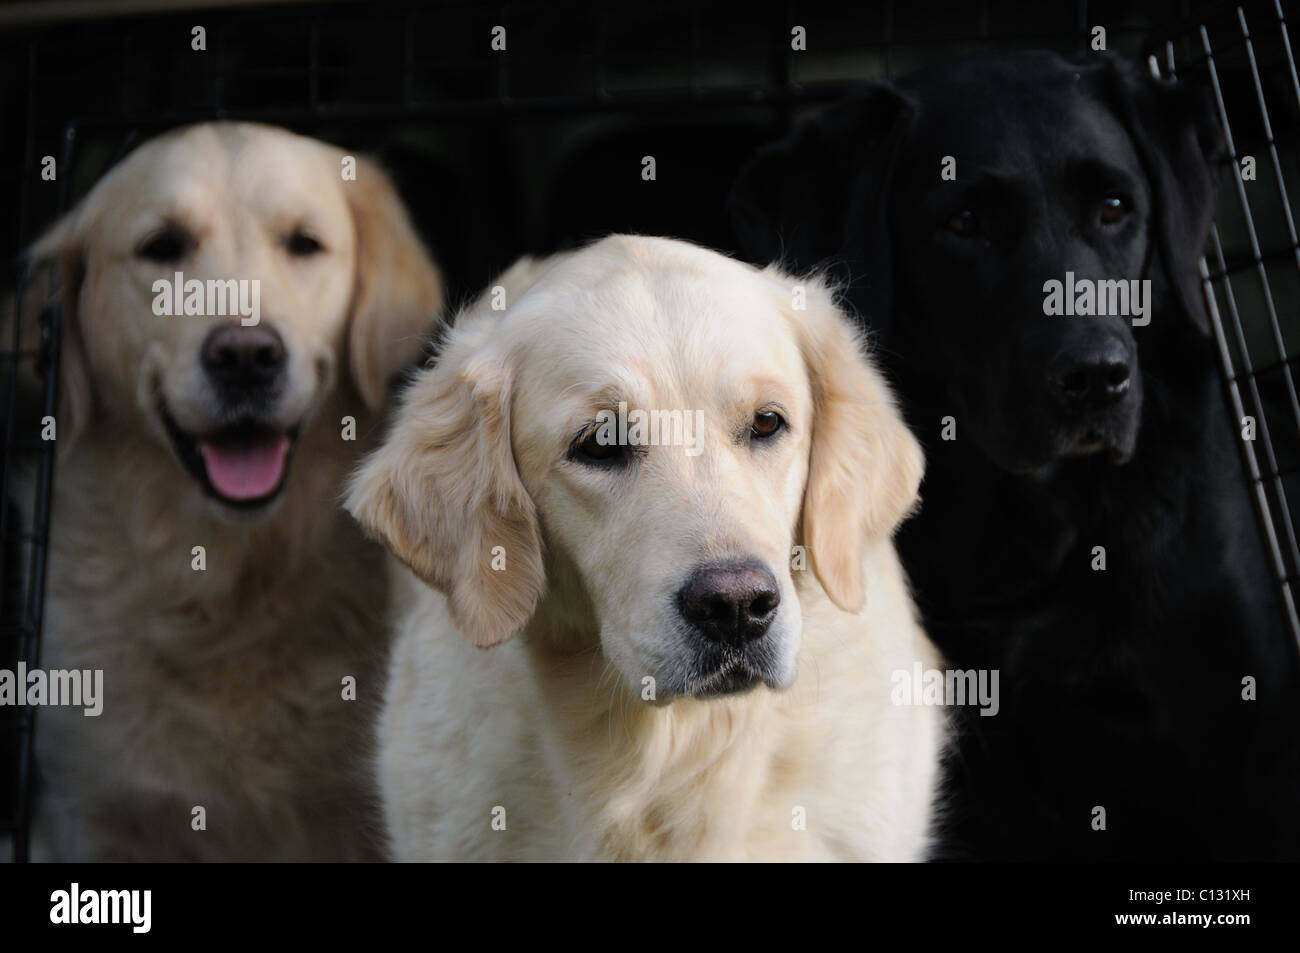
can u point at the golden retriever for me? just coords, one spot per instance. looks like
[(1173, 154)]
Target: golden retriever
[(199, 557), (705, 620)]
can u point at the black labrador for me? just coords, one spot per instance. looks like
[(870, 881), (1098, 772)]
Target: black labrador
[(1086, 528)]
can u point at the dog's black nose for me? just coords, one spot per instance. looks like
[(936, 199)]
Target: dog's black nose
[(1091, 378), (234, 356), (732, 604)]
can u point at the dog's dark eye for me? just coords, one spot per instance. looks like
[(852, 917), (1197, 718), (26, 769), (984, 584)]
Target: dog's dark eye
[(767, 424), (1113, 210), (171, 244), (302, 245), (964, 223), (592, 452)]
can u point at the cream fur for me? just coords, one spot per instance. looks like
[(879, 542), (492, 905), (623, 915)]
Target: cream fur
[(551, 726), (223, 688)]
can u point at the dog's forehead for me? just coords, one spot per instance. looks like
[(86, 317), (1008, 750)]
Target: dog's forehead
[(1024, 121), (666, 311), (218, 168), (267, 164), (660, 326)]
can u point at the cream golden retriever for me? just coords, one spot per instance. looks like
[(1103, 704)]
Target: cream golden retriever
[(199, 557), (695, 628)]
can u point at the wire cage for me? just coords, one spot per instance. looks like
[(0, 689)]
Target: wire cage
[(1252, 265), (498, 153)]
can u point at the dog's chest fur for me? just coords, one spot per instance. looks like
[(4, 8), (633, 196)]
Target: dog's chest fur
[(1124, 682), (223, 687), (570, 767)]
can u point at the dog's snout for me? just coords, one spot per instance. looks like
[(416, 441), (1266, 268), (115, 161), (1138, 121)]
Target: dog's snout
[(1091, 377), (732, 604), (235, 356)]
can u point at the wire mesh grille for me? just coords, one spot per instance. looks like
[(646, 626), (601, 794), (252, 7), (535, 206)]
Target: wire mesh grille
[(1251, 271), (25, 513), (720, 75)]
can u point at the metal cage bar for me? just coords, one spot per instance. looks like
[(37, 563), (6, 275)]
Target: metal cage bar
[(1241, 374)]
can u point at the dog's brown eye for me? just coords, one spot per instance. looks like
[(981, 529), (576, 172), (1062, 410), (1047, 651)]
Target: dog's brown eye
[(169, 245), (594, 451), (964, 223), (767, 423), (1113, 210), (301, 245)]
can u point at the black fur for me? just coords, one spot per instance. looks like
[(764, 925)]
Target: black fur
[(1119, 688)]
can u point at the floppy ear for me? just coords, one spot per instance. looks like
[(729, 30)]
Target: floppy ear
[(865, 466), (1179, 143), (443, 492), (822, 193), (398, 293), (56, 268)]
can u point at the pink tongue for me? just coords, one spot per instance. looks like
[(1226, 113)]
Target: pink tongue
[(246, 471)]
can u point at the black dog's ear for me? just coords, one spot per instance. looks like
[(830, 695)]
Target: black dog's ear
[(822, 193), (1179, 142)]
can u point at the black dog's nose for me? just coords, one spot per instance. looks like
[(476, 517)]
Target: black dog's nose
[(235, 356), (1091, 378), (732, 604)]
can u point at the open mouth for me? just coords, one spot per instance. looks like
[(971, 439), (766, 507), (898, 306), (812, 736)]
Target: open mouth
[(243, 464)]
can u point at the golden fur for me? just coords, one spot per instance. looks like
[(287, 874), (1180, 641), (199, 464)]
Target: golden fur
[(224, 687), (548, 747)]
